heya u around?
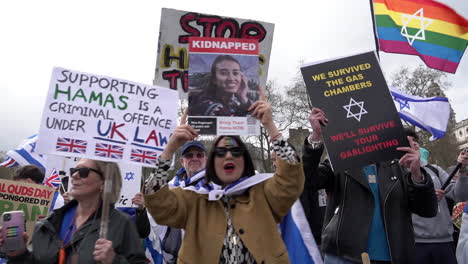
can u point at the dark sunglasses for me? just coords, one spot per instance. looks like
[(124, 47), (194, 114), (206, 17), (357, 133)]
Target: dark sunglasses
[(190, 155), (84, 172), (235, 151)]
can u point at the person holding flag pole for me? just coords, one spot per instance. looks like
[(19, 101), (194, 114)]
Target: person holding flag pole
[(434, 236)]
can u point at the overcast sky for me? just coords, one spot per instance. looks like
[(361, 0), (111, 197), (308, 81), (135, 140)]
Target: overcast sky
[(119, 39)]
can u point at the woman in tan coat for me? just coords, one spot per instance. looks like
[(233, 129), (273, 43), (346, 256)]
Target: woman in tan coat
[(232, 216)]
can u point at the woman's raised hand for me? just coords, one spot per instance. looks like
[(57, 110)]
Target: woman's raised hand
[(317, 119), (261, 110), (181, 134)]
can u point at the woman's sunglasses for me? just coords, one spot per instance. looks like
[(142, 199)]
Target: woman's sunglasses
[(235, 151), (84, 172)]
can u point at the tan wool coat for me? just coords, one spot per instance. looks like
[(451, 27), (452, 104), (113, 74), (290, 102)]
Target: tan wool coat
[(255, 217)]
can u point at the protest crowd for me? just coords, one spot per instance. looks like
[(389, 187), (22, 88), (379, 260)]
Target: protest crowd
[(361, 187)]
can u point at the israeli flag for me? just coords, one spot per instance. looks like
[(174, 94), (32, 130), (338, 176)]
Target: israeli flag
[(298, 238), (430, 114), (152, 254), (25, 154), (153, 243)]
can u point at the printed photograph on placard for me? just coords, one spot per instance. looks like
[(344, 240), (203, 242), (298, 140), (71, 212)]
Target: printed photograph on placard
[(223, 82), (177, 26)]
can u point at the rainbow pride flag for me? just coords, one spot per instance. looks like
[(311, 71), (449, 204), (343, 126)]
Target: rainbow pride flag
[(431, 30)]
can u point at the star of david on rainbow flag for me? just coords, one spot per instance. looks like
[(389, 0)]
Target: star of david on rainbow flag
[(429, 29)]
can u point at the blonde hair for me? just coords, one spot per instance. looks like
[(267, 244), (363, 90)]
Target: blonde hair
[(115, 176)]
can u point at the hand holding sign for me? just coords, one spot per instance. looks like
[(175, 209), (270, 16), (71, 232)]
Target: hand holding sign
[(411, 161), (139, 200), (317, 119), (182, 134), (262, 111)]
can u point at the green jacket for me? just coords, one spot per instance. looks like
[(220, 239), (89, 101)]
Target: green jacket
[(46, 241)]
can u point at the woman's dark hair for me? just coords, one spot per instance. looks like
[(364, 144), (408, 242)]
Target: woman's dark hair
[(32, 172), (208, 90), (211, 89), (218, 60), (249, 168), (410, 132)]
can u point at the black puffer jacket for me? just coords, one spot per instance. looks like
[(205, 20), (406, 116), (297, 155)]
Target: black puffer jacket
[(46, 241), (351, 204)]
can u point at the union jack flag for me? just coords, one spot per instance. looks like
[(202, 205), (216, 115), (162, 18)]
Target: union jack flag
[(109, 151), (71, 145), (9, 163), (143, 156), (53, 180)]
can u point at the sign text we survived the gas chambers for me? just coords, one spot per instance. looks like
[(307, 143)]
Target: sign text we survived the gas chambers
[(364, 125)]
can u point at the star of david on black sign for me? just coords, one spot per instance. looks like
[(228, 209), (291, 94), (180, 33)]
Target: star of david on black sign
[(352, 107)]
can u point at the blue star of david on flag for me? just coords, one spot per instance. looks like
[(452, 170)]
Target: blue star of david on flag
[(428, 113), (129, 176), (403, 103)]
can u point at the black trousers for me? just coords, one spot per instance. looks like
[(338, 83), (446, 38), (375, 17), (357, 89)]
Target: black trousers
[(435, 253)]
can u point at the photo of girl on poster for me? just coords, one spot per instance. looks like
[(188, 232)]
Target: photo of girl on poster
[(227, 90)]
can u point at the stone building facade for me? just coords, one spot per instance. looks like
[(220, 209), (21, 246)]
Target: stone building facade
[(461, 134)]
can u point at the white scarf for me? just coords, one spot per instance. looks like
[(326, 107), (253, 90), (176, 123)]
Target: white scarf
[(176, 182), (215, 191)]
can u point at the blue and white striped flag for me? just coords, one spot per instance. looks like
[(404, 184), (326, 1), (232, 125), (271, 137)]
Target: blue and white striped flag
[(153, 255), (25, 154), (177, 182), (430, 114), (297, 236), (153, 243)]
